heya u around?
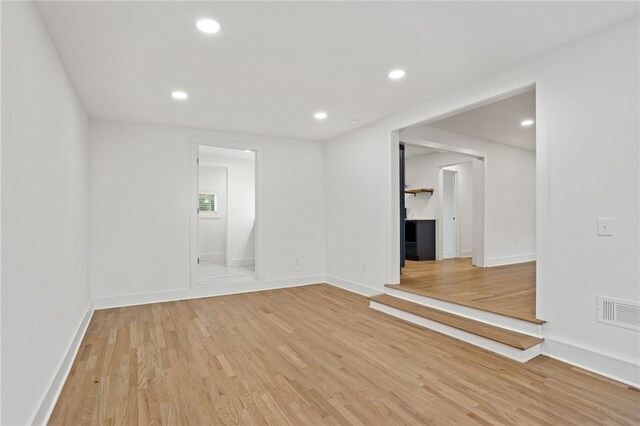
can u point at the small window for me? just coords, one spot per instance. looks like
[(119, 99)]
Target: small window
[(207, 204)]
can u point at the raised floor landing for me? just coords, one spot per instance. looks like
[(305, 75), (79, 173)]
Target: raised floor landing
[(506, 290)]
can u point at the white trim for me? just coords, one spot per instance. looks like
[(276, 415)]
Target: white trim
[(456, 234), (466, 253), (543, 193), (510, 260), (610, 366), (393, 211), (351, 286), (48, 402), (200, 292), (488, 344), (502, 321), (194, 171)]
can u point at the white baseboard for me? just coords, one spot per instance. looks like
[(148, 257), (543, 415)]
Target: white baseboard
[(213, 257), (351, 286), (41, 417), (242, 261), (510, 260), (466, 253), (200, 292), (621, 370)]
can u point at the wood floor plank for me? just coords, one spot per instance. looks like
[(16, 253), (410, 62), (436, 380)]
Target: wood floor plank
[(313, 355), (507, 337), (508, 290)]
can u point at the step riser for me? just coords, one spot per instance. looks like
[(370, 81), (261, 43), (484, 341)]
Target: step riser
[(490, 345), (497, 320)]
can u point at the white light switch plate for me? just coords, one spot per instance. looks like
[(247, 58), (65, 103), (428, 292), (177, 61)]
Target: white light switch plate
[(605, 226)]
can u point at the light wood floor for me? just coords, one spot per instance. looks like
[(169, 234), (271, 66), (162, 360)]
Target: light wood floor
[(313, 355), (508, 290)]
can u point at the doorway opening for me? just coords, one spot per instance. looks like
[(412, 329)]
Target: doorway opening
[(444, 190), (226, 198), (473, 174)]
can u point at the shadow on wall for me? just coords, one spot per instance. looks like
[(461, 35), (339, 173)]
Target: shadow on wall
[(247, 248)]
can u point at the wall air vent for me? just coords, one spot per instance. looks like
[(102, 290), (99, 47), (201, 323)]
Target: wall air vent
[(623, 313)]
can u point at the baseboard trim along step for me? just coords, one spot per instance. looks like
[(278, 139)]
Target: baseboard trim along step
[(517, 346)]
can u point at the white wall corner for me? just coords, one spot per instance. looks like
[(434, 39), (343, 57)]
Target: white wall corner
[(48, 401), (353, 287), (621, 370)]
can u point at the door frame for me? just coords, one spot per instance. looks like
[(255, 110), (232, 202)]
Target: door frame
[(461, 101), (196, 141), (442, 172)]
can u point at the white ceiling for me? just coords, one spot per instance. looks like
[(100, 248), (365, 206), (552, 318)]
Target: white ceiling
[(415, 150), (498, 121), (275, 63)]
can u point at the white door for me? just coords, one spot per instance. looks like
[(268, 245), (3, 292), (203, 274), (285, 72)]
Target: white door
[(449, 228)]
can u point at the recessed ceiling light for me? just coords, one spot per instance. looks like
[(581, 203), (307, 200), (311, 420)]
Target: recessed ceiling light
[(528, 122), (396, 74), (320, 115), (179, 94), (247, 150), (208, 25), (354, 121)]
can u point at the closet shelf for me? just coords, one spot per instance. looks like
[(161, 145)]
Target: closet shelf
[(418, 191)]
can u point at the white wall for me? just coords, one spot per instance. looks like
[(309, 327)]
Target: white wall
[(241, 209), (242, 212), (593, 130), (422, 171), (510, 188), (212, 229), (135, 251), (0, 225), (45, 214)]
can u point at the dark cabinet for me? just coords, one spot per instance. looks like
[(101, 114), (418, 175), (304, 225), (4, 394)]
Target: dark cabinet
[(420, 239)]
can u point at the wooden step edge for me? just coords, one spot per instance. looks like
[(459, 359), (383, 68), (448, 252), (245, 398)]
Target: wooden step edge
[(455, 301), (507, 337)]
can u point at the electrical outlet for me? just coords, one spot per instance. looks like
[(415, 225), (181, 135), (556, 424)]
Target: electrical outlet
[(296, 261), (364, 266), (605, 226)]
